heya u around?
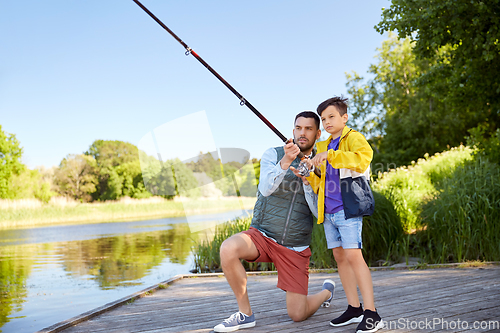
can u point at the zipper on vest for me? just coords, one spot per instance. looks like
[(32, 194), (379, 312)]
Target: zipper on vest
[(288, 217)]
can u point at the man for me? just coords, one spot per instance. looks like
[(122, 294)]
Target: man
[(280, 231)]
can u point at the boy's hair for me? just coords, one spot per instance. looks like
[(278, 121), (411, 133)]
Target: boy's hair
[(339, 102), (308, 114)]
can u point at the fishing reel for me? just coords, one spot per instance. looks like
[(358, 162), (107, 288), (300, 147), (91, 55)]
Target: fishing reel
[(303, 168)]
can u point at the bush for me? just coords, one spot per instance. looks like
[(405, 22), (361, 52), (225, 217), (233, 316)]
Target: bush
[(488, 146), (31, 184), (463, 221)]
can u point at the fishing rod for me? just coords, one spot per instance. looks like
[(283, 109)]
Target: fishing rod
[(303, 170)]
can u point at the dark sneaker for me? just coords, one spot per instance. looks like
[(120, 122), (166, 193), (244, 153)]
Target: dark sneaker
[(351, 315), (235, 322), (371, 322), (330, 286)]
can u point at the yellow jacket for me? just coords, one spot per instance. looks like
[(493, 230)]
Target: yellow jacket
[(353, 158)]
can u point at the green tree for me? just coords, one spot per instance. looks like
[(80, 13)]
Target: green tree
[(249, 186), (208, 164), (403, 119), (10, 162), (168, 178), (132, 181), (30, 184), (76, 177), (162, 182), (112, 188), (126, 180), (186, 183), (461, 40), (108, 155)]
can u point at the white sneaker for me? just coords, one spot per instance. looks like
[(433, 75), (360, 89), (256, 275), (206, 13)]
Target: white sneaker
[(235, 322)]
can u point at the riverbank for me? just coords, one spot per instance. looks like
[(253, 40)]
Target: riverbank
[(29, 213)]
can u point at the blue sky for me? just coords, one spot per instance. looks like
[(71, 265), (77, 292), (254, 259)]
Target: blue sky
[(72, 72)]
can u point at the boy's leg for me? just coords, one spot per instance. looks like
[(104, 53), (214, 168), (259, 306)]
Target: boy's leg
[(363, 276), (333, 225), (347, 276), (236, 247), (300, 307)]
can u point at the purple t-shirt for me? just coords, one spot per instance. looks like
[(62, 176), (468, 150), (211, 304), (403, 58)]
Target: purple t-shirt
[(333, 198)]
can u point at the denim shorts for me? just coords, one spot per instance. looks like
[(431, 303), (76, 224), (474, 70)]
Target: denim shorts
[(342, 232)]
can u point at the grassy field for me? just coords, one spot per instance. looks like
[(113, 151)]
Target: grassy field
[(32, 212)]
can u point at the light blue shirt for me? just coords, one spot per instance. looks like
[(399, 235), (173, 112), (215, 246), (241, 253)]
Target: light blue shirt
[(271, 176)]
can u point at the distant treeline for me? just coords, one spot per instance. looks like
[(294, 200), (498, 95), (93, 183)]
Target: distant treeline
[(110, 170)]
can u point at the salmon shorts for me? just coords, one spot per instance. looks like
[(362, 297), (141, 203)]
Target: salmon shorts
[(292, 266)]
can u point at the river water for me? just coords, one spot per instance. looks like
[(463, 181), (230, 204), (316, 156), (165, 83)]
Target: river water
[(50, 274)]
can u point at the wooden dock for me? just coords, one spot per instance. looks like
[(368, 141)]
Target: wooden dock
[(423, 300)]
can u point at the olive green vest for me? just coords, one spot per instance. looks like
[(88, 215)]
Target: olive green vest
[(284, 215)]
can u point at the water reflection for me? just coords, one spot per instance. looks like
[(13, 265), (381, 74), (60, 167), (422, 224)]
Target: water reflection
[(13, 275), (114, 261), (42, 282)]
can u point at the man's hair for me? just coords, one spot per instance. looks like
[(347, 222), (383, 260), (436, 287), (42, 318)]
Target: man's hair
[(339, 102), (308, 114)]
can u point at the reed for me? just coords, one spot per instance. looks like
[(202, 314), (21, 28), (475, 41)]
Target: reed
[(462, 221), (207, 254)]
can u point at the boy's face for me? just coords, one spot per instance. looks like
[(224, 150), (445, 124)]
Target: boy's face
[(333, 122)]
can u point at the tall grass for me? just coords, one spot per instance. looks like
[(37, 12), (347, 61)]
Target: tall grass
[(321, 256), (383, 234), (463, 221), (408, 188), (207, 254)]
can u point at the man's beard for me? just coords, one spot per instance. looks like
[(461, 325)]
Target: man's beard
[(307, 146)]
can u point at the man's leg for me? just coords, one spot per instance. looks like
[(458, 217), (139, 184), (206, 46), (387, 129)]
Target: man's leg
[(347, 276), (300, 307), (236, 247), (363, 276)]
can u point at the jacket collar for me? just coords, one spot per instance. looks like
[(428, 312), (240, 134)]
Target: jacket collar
[(322, 145)]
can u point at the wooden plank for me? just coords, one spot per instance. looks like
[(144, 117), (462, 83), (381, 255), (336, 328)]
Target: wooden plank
[(197, 305)]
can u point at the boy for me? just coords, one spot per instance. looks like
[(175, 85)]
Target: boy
[(344, 197)]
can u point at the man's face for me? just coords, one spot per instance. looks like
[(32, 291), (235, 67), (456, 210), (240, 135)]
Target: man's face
[(305, 134)]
